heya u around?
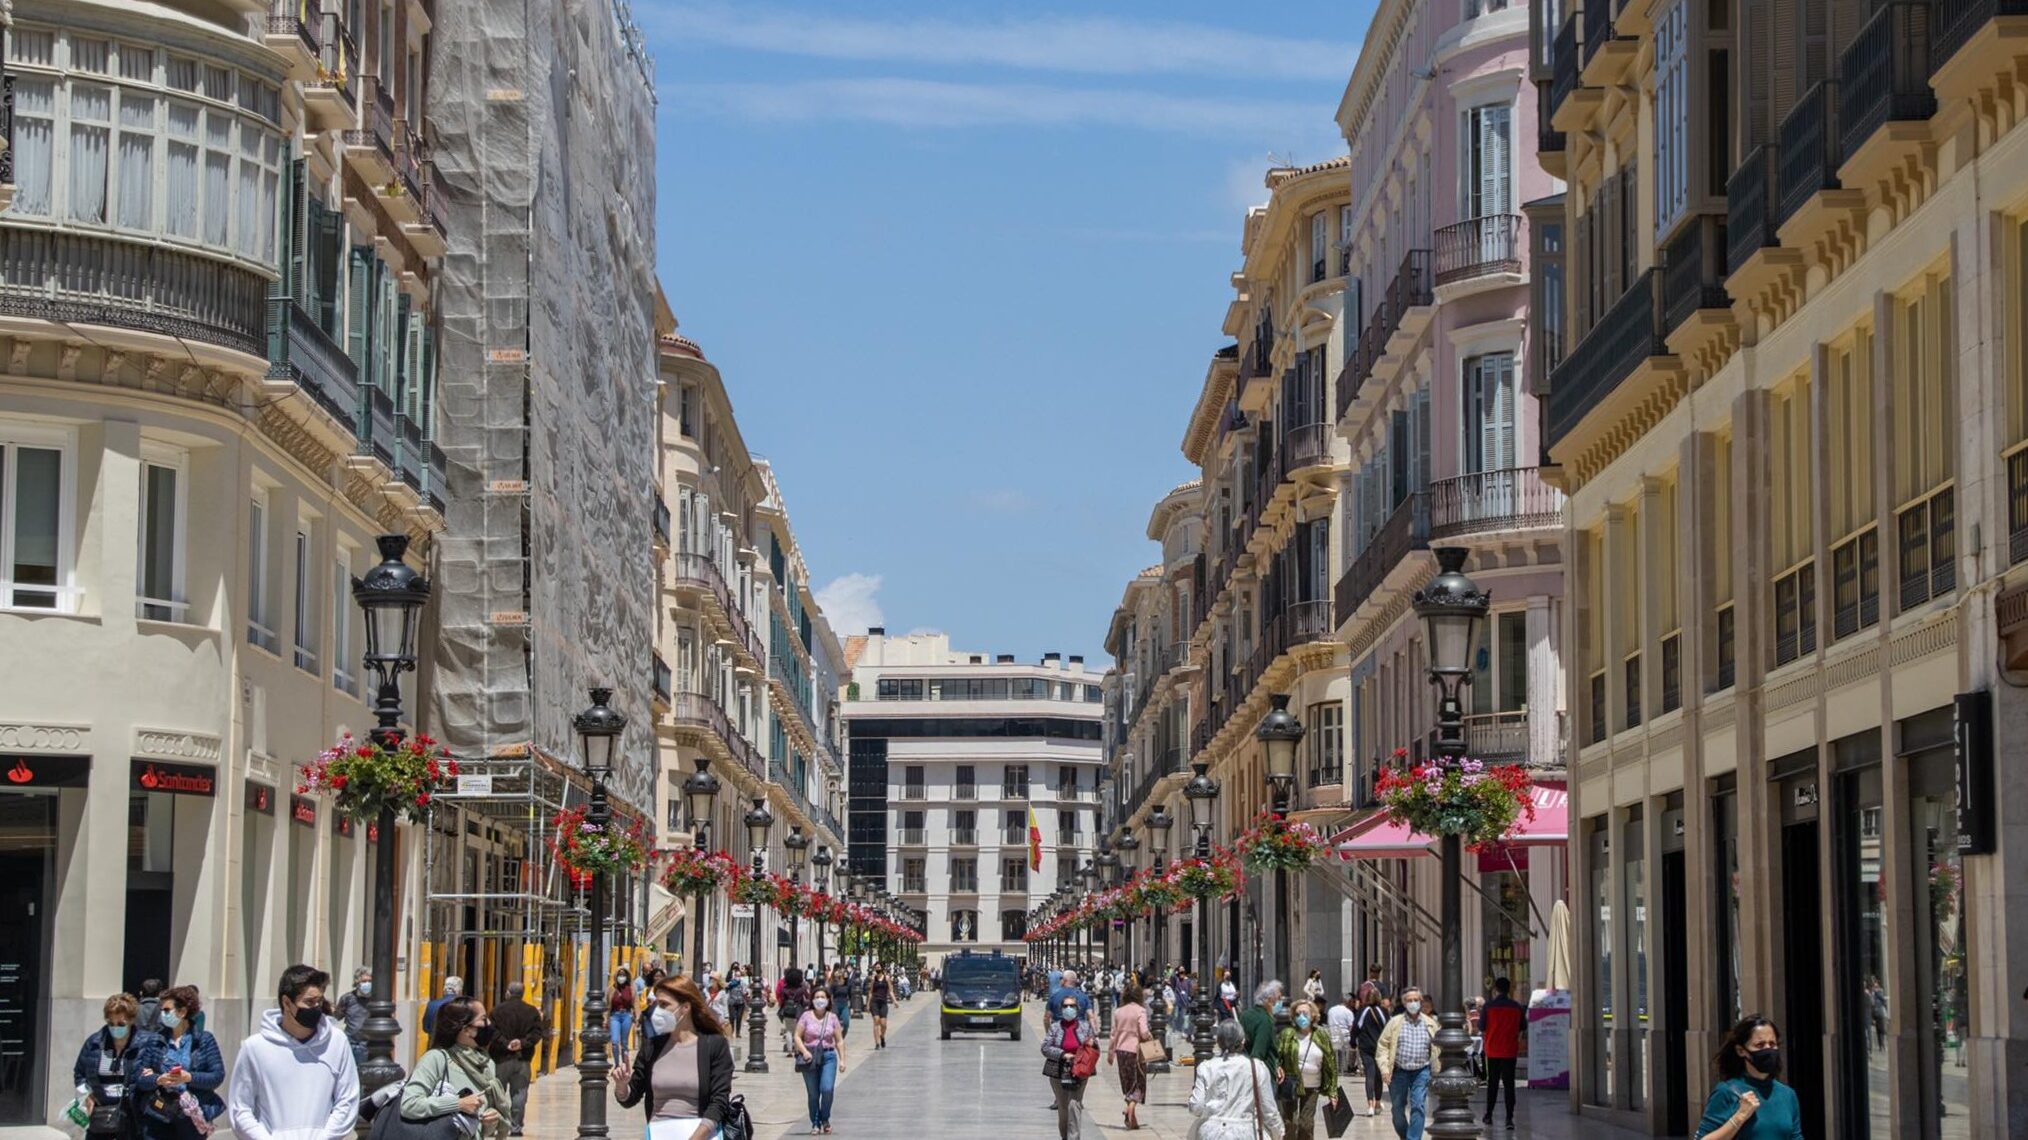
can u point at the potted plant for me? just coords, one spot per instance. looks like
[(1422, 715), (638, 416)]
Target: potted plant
[(363, 777), (588, 848), (1273, 843), (1478, 802), (698, 872)]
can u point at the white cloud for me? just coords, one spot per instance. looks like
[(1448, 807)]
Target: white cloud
[(924, 103), (1087, 45), (924, 631), (851, 602)]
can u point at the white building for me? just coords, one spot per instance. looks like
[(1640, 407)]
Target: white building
[(949, 754)]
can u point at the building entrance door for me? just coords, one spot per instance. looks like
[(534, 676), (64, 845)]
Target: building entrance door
[(1671, 1074), (1802, 959), (27, 837)]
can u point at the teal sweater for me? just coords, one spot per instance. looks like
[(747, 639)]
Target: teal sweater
[(1780, 1116)]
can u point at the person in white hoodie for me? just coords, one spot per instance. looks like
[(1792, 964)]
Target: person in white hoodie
[(295, 1079)]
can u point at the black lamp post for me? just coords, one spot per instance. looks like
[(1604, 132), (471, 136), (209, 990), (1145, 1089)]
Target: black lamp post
[(798, 846), (1158, 931), (1201, 791), (1452, 608), (392, 595), (1126, 843), (700, 792), (1279, 734), (820, 873), (1109, 877), (598, 730), (758, 820), (860, 896)]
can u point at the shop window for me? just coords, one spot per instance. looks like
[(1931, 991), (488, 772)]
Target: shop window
[(36, 490), (159, 582)]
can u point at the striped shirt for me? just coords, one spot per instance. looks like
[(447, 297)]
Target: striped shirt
[(1411, 1048)]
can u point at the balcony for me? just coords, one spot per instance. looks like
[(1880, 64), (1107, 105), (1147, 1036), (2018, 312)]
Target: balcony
[(1598, 28), (1809, 150), (376, 434), (1405, 297), (1749, 208), (1304, 448), (1626, 336), (1013, 836), (696, 573), (1497, 738), (1480, 247), (1956, 22), (76, 279), (1693, 277), (1490, 502), (302, 354), (1563, 66), (1886, 71), (369, 146), (913, 837), (436, 478), (697, 719), (913, 792), (965, 792), (965, 837), (292, 33), (426, 233), (1407, 529), (1411, 287), (330, 102), (409, 455), (1014, 791)]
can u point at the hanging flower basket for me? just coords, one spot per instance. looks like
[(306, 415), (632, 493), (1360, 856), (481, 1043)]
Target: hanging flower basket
[(696, 872), (1216, 877), (1478, 802), (614, 848), (362, 777), (1276, 844)]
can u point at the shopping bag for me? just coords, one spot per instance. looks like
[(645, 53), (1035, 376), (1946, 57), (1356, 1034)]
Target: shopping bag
[(1152, 1051), (1338, 1117)]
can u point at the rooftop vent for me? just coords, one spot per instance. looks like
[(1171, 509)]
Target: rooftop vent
[(876, 631)]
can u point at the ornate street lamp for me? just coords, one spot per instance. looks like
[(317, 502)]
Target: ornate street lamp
[(1279, 734), (392, 595), (1201, 792), (1452, 608), (820, 873), (700, 792), (1159, 823), (598, 732), (1109, 876), (1127, 843), (798, 847), (758, 820)]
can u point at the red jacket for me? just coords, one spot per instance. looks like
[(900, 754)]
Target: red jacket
[(1502, 1020)]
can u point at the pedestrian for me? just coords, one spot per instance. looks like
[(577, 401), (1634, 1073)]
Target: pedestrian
[(620, 1016), (1232, 1095), (841, 996), (1228, 995), (716, 998), (456, 1074), (1340, 1020), (109, 1070), (683, 1069), (879, 996), (351, 1012), (149, 1020), (1877, 1013), (295, 1079), (1373, 982), (453, 987), (1306, 1063), (1313, 987), (517, 1031), (1749, 1103), (820, 1057), (1064, 1044), (1366, 1029), (735, 997), (792, 997), (1404, 1054), (179, 1080), (1504, 1020), (1066, 988), (1130, 1028), (1259, 1020)]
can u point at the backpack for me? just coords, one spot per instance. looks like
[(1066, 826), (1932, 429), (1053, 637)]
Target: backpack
[(737, 1125), (794, 1002)]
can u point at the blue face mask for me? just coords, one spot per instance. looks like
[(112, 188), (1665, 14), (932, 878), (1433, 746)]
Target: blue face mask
[(119, 1032), (1070, 1013), (171, 1019), (1302, 1021), (366, 989), (1281, 1007)]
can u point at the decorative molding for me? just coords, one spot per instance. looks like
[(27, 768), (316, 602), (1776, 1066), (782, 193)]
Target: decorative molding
[(1663, 740), (21, 737), (176, 744), (1795, 690), (1931, 637), (1720, 717), (1854, 667)]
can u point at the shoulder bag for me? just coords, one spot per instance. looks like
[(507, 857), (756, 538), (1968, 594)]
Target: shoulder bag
[(1253, 1074), (1152, 1051)]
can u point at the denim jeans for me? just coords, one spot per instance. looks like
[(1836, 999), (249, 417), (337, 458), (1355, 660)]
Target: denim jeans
[(1408, 1092), (820, 1081), (620, 1030)]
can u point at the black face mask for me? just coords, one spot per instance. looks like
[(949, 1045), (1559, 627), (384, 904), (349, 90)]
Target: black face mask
[(1768, 1061), (483, 1035), (310, 1016)]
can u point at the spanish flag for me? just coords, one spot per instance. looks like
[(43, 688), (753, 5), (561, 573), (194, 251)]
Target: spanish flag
[(1034, 842)]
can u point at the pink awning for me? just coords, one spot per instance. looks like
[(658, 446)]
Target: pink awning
[(1380, 839)]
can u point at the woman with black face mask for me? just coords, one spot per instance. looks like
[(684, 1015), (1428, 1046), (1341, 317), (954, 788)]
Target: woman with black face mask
[(1749, 1103), (456, 1073)]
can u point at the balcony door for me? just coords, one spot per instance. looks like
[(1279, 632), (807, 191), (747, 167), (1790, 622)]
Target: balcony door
[(1488, 173), (1489, 437)]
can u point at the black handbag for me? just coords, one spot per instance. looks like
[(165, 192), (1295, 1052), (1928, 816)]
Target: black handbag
[(737, 1125), (108, 1119)]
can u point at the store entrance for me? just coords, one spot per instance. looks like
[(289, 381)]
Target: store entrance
[(27, 848), (1672, 1074), (1802, 952)]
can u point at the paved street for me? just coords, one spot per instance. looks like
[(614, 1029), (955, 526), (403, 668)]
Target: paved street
[(926, 1088)]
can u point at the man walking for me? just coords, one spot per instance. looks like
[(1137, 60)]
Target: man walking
[(1340, 1021), (517, 1030), (1503, 1022), (1406, 1048), (295, 1080), (453, 986), (1259, 1023), (352, 1012)]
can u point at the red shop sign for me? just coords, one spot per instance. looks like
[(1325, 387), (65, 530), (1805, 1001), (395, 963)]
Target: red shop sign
[(260, 798), (303, 810), (174, 779)]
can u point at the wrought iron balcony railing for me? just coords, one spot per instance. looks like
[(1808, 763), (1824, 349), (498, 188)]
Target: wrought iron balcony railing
[(300, 350), (1628, 334), (1956, 21), (1886, 70), (1407, 529), (1478, 247), (1809, 154), (1693, 272), (1513, 498), (1749, 207)]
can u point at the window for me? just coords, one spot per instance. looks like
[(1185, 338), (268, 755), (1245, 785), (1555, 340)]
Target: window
[(257, 631), (306, 605), (912, 828), (912, 875), (964, 827), (160, 580), (1014, 829), (911, 782), (341, 625), (1925, 401), (964, 926), (1326, 742), (35, 509), (1672, 112), (1013, 925), (1014, 784), (898, 689), (1320, 246), (965, 874), (1477, 8), (1066, 827), (1345, 253), (967, 782), (1489, 416), (1066, 781), (1792, 535), (1718, 541), (1546, 322), (1014, 875), (1488, 166)]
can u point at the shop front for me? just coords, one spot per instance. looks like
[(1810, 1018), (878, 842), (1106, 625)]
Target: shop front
[(30, 786)]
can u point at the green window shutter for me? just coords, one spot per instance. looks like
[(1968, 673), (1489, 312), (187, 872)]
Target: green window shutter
[(357, 307)]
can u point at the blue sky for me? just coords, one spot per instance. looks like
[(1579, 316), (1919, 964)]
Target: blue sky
[(962, 266)]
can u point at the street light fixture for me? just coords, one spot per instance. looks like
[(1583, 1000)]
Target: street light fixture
[(798, 847), (1127, 843), (598, 733), (1452, 607), (392, 594), (758, 820), (700, 793), (1279, 733), (820, 872), (1159, 1012), (1200, 793)]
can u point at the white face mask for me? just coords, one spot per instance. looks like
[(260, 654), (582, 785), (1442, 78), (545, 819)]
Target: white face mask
[(822, 1003), (663, 1021), (1413, 1007)]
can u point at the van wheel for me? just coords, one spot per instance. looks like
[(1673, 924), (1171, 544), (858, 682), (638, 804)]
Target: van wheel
[(947, 1033), (1014, 1034)]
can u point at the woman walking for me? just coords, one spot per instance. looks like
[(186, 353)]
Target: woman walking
[(1130, 1028), (188, 1070), (684, 1067), (1313, 987), (1233, 1095), (820, 1057), (1749, 1103), (878, 995), (1070, 1032), (620, 1016), (456, 1075), (1366, 1029), (109, 1067), (1304, 1051)]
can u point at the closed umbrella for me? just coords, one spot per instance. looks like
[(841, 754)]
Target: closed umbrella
[(1559, 946)]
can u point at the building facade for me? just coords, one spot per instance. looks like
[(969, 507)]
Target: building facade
[(219, 260), (951, 755), (1790, 419)]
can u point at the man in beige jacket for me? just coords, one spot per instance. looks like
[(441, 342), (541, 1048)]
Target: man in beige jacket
[(1407, 1059)]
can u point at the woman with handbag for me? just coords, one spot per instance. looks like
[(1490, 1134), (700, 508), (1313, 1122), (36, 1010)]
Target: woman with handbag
[(109, 1070), (1070, 1052), (683, 1069), (820, 1057), (1233, 1096), (455, 1077), (620, 1017), (1366, 1029), (1134, 1045), (1306, 1071), (181, 1100)]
